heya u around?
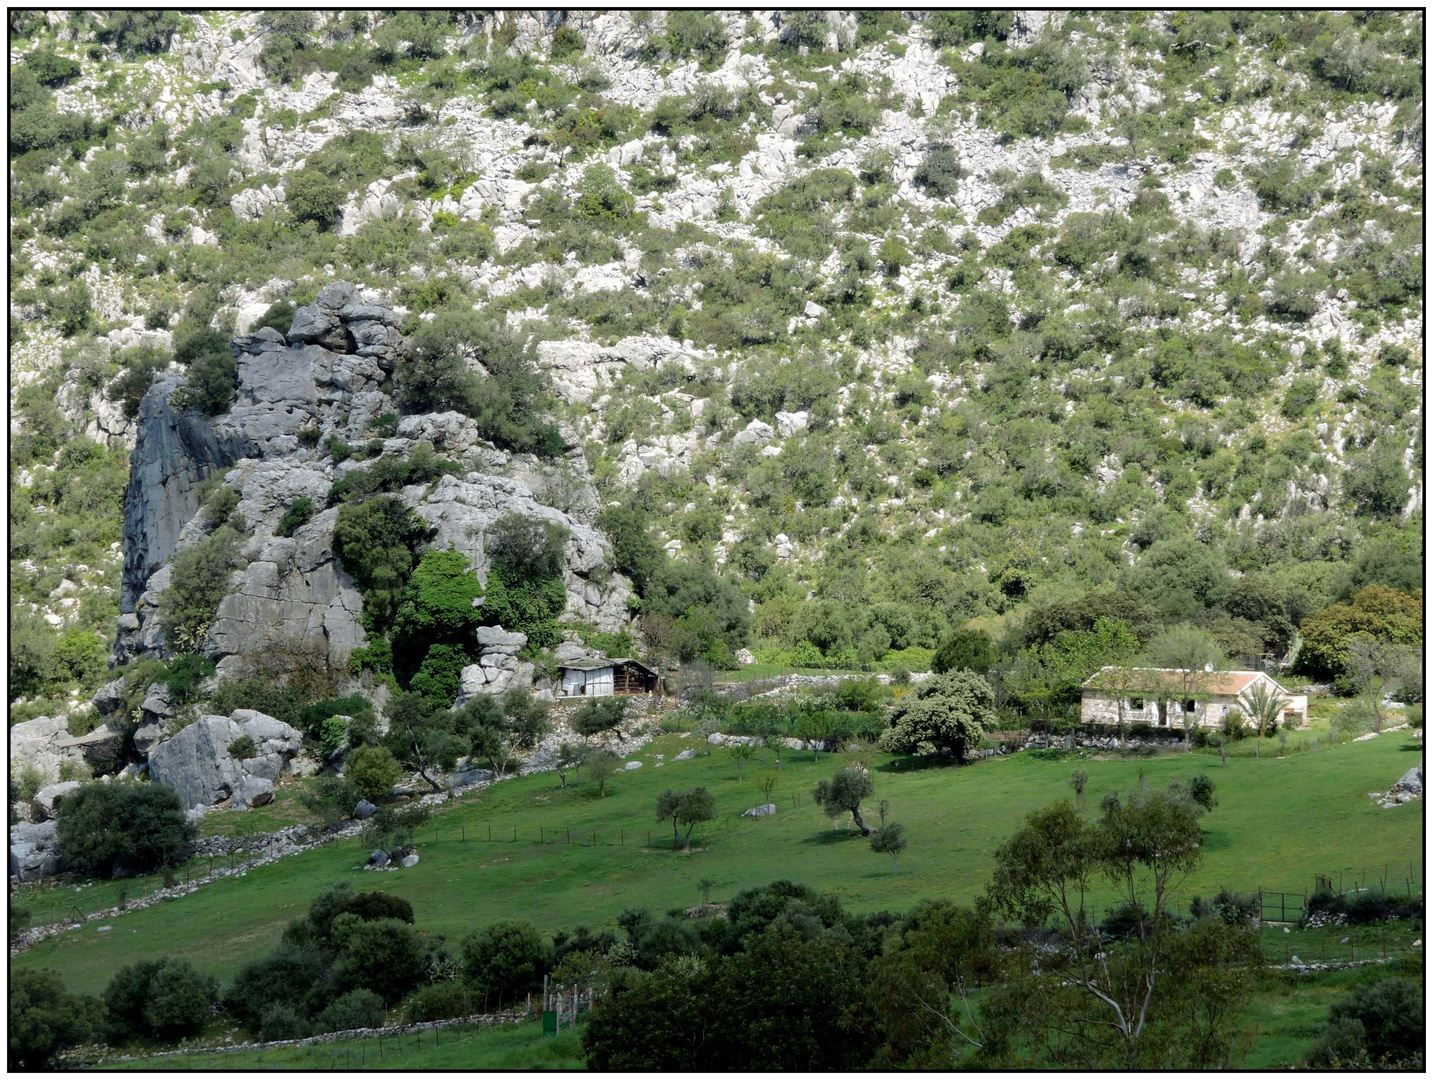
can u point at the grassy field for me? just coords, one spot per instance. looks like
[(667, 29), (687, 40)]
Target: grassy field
[(511, 1046), (1279, 822)]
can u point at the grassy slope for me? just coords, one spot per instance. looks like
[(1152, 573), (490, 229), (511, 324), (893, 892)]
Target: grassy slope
[(512, 1046), (1279, 821)]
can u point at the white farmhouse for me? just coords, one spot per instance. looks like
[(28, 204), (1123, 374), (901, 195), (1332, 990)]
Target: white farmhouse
[(1160, 697)]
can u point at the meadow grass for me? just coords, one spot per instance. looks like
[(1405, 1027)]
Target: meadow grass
[(507, 1046), (1279, 822)]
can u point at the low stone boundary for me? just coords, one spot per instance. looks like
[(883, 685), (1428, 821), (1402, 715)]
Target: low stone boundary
[(397, 1031)]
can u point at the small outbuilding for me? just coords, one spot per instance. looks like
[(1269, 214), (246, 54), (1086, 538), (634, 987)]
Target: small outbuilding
[(602, 676)]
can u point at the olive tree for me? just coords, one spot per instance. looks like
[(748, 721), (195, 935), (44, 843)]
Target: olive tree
[(844, 793)]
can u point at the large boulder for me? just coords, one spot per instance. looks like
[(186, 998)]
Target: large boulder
[(33, 854), (34, 745), (46, 796), (198, 765)]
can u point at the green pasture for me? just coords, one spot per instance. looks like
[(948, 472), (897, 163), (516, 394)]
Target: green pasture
[(509, 1046), (1279, 822)]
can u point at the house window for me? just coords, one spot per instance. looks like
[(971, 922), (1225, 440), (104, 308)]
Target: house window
[(1224, 710), (1136, 704), (1189, 705)]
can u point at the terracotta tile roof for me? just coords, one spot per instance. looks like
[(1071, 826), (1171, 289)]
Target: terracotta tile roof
[(1170, 681)]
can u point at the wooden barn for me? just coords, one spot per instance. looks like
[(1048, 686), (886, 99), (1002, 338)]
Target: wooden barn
[(602, 676)]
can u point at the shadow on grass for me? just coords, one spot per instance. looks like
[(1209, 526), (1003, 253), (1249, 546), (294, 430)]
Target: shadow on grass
[(833, 836), (912, 764), (1416, 747)]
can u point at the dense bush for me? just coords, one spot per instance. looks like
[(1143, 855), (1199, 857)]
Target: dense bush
[(1373, 1026), (162, 999), (199, 580), (377, 542), (104, 827), (502, 962), (374, 771), (44, 1018)]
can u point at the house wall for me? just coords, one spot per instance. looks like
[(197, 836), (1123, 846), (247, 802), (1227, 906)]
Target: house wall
[(1100, 707), (587, 683)]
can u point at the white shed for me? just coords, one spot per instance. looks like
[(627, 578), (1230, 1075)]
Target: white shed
[(593, 679)]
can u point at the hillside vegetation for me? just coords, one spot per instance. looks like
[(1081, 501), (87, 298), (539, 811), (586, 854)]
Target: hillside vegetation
[(899, 325)]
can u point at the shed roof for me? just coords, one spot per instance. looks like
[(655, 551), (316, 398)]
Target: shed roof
[(597, 663), (1171, 681)]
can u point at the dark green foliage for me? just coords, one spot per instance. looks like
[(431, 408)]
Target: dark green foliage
[(280, 317), (199, 580), (948, 713), (709, 615), (50, 68), (162, 999), (135, 827), (374, 771), (790, 999), (527, 546), (379, 905), (502, 962), (377, 542), (141, 31), (939, 173), (1378, 1025), (385, 956), (359, 1008), (422, 30), (696, 33), (844, 793), (567, 42), (635, 552), (970, 650), (286, 978), (433, 628), (139, 367), (295, 517), (439, 375), (525, 604), (959, 27), (391, 473), (242, 747), (44, 1018), (599, 715), (212, 380), (311, 196), (440, 1001)]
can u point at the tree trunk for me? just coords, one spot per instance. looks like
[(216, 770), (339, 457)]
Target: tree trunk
[(676, 835), (856, 817)]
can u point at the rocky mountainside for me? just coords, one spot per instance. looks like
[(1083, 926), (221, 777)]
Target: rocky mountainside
[(897, 320), (323, 381)]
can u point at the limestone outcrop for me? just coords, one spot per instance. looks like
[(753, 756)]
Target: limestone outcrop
[(200, 766), (290, 600)]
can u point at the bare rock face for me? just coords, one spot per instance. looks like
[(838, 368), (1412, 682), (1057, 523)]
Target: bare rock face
[(290, 600), (197, 762)]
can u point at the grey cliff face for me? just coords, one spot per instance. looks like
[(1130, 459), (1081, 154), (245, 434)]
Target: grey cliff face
[(289, 596)]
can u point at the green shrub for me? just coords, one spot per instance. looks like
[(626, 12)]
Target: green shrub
[(373, 771), (355, 1009), (939, 173), (44, 1018), (137, 827), (567, 42), (312, 196), (299, 513), (502, 962), (138, 31), (199, 580), (50, 68), (384, 956), (696, 33), (163, 999), (440, 1001), (243, 747), (377, 542)]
